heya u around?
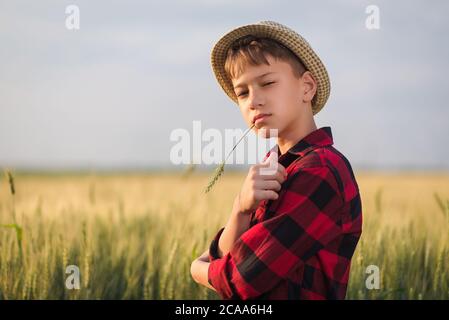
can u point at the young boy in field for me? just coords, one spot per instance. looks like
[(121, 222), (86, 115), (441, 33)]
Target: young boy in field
[(291, 233)]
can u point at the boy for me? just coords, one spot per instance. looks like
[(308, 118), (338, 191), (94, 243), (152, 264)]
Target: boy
[(291, 233)]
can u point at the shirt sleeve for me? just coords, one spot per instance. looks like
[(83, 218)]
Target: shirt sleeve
[(307, 218), (213, 248)]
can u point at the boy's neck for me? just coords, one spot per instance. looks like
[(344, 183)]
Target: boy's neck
[(299, 131)]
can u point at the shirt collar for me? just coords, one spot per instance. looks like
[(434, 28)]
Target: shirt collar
[(318, 138)]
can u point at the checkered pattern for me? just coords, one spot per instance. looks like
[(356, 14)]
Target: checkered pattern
[(298, 246)]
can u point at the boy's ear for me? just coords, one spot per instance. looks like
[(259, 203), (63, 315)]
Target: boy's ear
[(309, 86)]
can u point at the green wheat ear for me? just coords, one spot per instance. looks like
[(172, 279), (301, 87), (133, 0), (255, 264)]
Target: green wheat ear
[(220, 169), (218, 172), (11, 181)]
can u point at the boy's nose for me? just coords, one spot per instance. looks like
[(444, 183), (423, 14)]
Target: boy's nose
[(256, 101)]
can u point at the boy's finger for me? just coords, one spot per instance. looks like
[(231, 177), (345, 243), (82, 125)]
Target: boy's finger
[(282, 169), (270, 160), (272, 163), (280, 177), (269, 194), (270, 185), (264, 164)]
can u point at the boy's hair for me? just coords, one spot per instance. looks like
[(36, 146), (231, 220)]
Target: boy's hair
[(252, 50)]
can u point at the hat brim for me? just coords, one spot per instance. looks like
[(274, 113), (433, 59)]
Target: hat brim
[(287, 37)]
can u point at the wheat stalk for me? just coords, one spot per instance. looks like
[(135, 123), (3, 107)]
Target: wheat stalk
[(14, 225), (220, 169), (11, 182)]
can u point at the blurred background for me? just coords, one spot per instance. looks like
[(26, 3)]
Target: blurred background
[(107, 96)]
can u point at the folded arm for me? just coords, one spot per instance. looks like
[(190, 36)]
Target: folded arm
[(306, 221), (199, 270), (237, 224)]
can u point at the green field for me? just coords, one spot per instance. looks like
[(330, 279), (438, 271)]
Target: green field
[(133, 236)]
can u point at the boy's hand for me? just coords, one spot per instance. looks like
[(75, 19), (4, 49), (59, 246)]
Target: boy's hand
[(263, 182)]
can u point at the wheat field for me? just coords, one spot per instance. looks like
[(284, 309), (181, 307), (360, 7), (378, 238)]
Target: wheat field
[(133, 236)]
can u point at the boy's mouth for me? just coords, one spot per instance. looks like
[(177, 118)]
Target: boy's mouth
[(260, 117)]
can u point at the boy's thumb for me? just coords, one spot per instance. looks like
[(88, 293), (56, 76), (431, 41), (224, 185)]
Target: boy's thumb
[(270, 159)]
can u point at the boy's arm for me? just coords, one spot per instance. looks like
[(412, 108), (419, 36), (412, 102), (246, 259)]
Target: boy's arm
[(199, 270), (259, 185), (237, 224), (306, 222)]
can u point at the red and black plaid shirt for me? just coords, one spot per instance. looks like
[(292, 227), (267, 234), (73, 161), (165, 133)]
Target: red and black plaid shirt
[(298, 246)]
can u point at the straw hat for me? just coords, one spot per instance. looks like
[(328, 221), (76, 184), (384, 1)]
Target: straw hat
[(287, 37)]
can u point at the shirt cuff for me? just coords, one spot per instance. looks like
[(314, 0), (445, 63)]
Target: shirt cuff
[(216, 276), (213, 248)]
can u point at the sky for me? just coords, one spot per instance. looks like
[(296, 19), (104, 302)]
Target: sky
[(109, 95)]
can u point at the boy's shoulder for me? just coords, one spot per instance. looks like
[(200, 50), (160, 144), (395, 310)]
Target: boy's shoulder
[(330, 159), (321, 156)]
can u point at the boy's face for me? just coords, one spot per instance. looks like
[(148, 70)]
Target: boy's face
[(274, 91)]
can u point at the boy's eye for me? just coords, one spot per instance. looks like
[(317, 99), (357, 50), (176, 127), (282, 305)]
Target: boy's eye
[(245, 93)]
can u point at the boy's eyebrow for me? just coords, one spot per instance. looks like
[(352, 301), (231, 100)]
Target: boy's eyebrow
[(261, 76)]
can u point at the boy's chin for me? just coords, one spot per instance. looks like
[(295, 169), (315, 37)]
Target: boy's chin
[(267, 132)]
